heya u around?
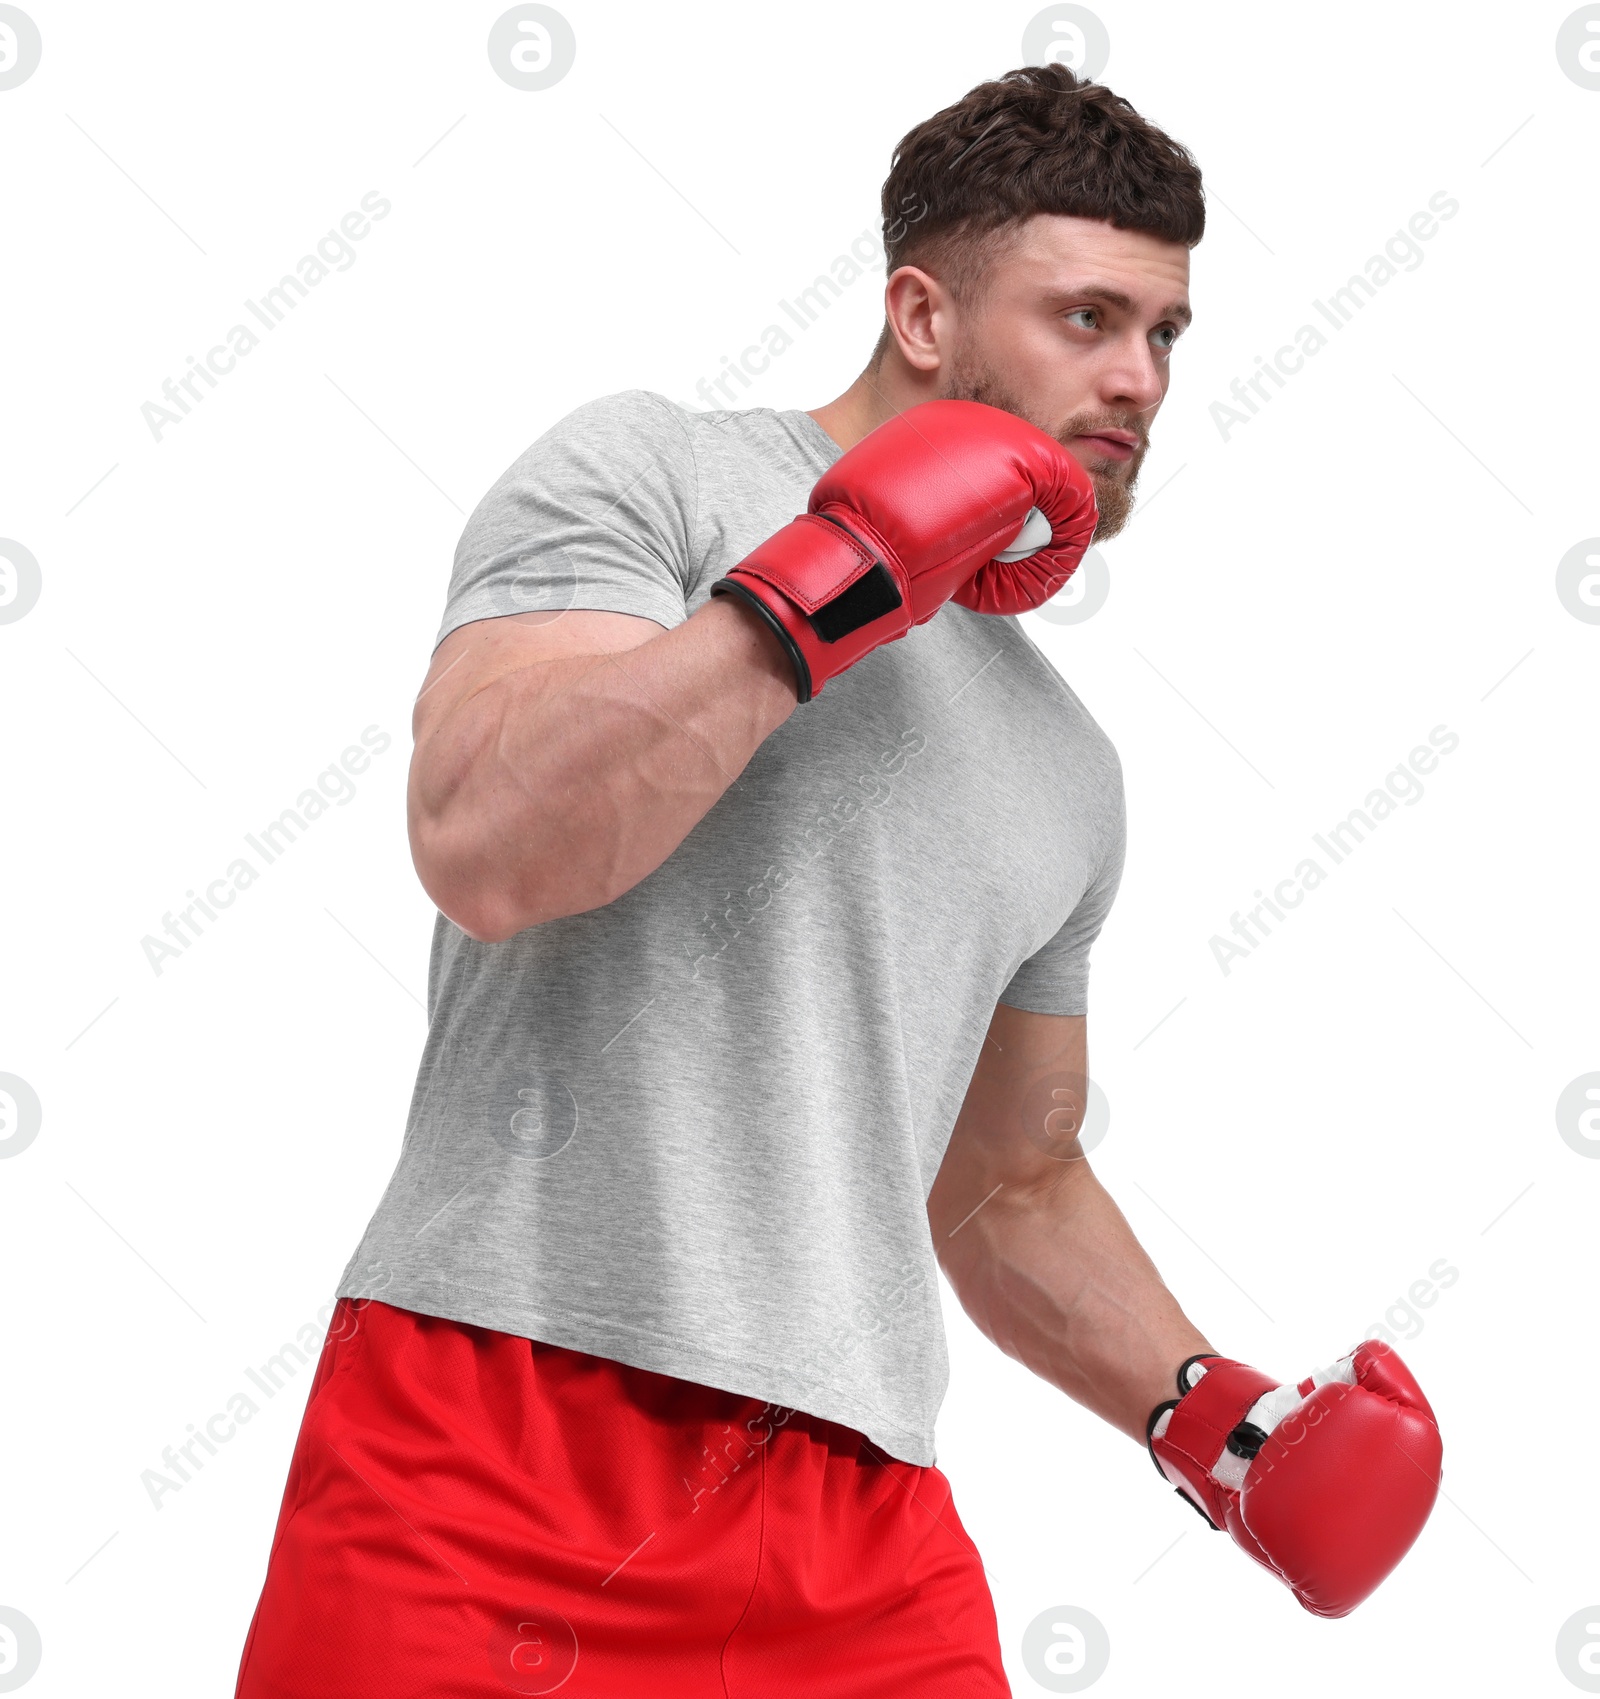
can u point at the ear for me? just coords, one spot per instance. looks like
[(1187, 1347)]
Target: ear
[(920, 315)]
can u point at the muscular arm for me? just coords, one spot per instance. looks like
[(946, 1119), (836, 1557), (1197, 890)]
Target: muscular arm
[(1036, 1249), (560, 758)]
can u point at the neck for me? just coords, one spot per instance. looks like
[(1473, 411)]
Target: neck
[(875, 396)]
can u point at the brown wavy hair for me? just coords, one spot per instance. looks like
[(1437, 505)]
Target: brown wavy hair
[(1036, 140)]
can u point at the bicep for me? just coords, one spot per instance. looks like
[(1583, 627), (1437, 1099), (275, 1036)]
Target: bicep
[(1023, 1109), (450, 789), (476, 655)]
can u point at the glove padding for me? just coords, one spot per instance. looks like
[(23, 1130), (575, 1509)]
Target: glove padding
[(1037, 564), (949, 500), (1327, 1483)]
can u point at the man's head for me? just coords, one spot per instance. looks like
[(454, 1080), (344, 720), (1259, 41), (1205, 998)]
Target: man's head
[(1038, 235)]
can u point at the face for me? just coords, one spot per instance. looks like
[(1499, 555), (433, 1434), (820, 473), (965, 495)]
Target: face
[(1074, 333)]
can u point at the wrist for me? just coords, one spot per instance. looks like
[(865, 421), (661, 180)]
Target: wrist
[(1176, 1377), (762, 648)]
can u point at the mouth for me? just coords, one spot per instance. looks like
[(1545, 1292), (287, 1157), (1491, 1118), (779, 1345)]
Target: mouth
[(1116, 445)]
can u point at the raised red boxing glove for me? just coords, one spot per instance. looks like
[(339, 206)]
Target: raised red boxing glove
[(938, 503), (1326, 1483)]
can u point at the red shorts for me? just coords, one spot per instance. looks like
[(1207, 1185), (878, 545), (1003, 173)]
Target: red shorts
[(473, 1513)]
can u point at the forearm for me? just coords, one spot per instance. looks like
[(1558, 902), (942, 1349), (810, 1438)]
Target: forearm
[(561, 785), (1053, 1274)]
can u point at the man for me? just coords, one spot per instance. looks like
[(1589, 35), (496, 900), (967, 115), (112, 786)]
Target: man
[(769, 852)]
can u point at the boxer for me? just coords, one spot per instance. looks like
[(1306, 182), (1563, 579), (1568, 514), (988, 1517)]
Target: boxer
[(768, 853)]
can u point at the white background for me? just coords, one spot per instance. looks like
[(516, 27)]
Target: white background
[(1292, 609)]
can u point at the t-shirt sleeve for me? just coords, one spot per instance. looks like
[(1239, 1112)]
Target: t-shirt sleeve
[(598, 513), (1054, 980)]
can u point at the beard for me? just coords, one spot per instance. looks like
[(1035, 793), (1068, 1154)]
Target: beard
[(1113, 480)]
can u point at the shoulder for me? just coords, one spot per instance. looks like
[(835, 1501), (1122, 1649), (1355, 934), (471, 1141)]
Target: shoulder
[(628, 416), (600, 452)]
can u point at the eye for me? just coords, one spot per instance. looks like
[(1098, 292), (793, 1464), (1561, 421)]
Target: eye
[(1078, 312), (1169, 330)]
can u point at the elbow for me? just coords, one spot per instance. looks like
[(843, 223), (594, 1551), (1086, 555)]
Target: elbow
[(475, 892), (458, 884), (494, 874), (465, 905), (471, 900), (491, 917), (472, 906), (481, 928)]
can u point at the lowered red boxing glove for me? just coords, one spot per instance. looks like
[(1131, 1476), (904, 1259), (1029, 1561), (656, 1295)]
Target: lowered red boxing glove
[(1327, 1483), (949, 500)]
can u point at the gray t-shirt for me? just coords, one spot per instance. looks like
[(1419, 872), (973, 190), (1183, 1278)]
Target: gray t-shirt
[(695, 1130)]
